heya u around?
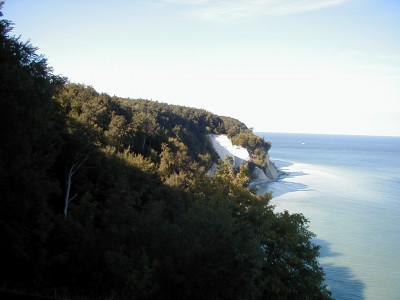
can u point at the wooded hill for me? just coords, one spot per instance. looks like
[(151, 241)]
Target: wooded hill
[(109, 198)]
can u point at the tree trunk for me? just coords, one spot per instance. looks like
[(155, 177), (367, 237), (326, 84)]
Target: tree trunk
[(68, 183), (144, 142)]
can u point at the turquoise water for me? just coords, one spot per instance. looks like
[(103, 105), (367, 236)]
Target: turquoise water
[(349, 189)]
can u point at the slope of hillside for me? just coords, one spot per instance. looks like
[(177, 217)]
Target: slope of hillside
[(109, 198)]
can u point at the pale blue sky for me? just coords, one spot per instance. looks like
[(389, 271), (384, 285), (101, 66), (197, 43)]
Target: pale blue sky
[(318, 66)]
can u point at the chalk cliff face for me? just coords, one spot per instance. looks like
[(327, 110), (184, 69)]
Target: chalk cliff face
[(271, 171), (223, 147)]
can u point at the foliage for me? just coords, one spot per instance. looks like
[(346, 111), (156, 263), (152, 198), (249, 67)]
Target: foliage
[(256, 145), (146, 220)]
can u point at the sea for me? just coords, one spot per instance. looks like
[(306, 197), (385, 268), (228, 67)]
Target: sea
[(348, 187)]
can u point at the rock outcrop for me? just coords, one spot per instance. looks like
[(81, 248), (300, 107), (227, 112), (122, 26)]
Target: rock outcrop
[(271, 170)]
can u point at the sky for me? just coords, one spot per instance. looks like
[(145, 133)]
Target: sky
[(307, 66)]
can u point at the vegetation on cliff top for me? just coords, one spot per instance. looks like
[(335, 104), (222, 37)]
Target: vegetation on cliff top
[(109, 198)]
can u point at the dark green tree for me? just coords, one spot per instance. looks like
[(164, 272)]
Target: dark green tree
[(30, 129)]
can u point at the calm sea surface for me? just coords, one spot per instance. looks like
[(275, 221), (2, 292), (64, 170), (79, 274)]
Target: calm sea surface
[(349, 189)]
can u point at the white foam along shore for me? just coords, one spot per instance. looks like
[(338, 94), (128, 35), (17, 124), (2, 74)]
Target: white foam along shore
[(224, 147)]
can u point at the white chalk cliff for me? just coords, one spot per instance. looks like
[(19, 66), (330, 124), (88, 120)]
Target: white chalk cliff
[(223, 147)]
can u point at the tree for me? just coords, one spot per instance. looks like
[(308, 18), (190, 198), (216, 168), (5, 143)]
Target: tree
[(68, 183), (291, 269), (120, 134), (30, 128), (146, 125)]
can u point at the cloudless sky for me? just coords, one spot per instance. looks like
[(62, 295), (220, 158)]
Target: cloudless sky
[(317, 66)]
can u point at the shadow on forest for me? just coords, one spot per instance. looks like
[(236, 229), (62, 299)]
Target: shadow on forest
[(340, 279)]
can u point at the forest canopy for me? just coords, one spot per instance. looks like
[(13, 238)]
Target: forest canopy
[(110, 198)]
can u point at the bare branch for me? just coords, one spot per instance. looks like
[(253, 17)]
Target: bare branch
[(68, 183), (76, 195)]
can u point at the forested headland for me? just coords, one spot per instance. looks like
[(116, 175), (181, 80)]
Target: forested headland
[(109, 198)]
